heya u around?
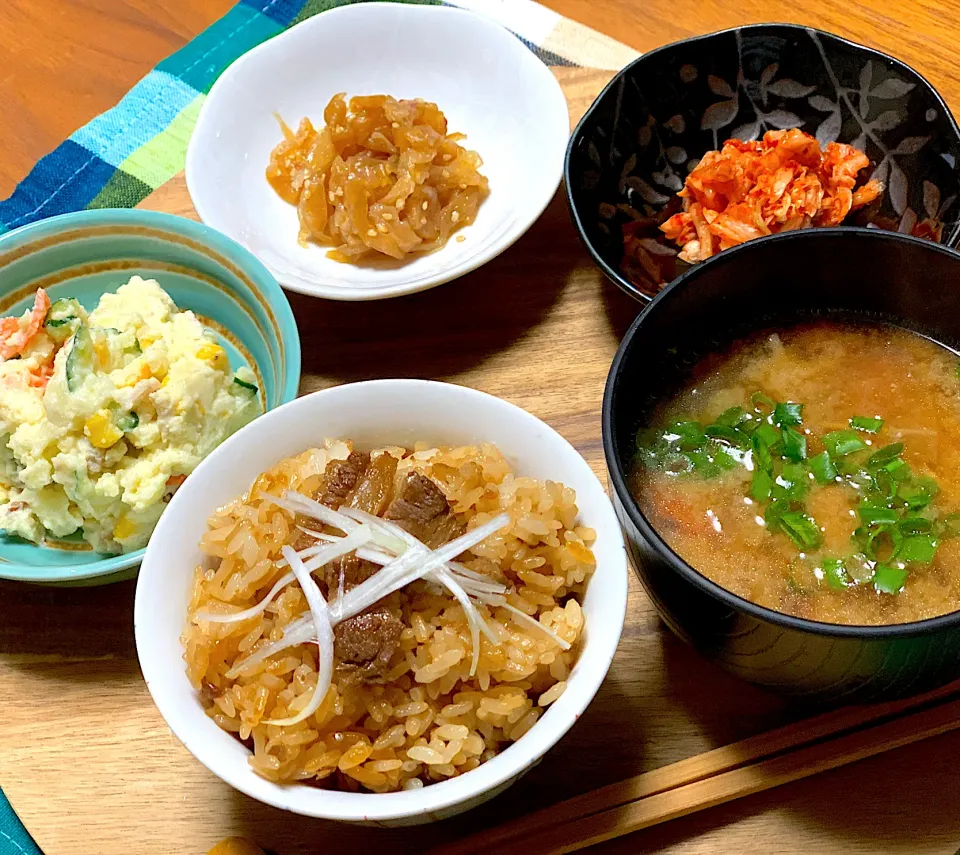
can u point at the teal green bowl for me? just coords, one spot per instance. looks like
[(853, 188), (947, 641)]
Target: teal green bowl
[(86, 254)]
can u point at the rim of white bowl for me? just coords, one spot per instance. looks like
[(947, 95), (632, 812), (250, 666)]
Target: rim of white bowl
[(535, 67), (600, 645)]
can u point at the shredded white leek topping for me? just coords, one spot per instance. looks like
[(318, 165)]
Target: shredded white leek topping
[(403, 559), (323, 626)]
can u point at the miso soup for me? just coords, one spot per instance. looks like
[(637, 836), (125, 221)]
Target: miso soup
[(815, 470)]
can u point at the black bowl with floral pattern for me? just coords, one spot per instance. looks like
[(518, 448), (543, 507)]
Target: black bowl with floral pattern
[(649, 127)]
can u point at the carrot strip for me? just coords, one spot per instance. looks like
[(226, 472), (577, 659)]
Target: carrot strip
[(17, 333)]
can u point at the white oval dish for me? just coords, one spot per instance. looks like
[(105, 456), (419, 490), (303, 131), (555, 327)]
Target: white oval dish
[(488, 83), (373, 413)]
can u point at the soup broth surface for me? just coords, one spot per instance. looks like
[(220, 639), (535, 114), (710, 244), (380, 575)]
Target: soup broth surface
[(837, 371)]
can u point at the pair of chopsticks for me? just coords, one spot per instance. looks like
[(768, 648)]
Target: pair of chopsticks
[(740, 769)]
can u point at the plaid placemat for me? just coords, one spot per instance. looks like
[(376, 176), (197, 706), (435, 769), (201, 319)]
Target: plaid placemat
[(124, 154), (14, 839)]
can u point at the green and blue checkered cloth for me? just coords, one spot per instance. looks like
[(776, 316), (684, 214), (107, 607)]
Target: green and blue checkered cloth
[(124, 154)]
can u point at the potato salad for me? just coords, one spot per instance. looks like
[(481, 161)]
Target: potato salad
[(104, 414)]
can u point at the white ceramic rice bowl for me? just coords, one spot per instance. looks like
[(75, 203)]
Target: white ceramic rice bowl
[(488, 83), (372, 414)]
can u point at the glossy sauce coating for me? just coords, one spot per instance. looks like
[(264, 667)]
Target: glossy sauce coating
[(382, 177)]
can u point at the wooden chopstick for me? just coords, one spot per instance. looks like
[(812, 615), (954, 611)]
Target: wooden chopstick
[(745, 781), (742, 768)]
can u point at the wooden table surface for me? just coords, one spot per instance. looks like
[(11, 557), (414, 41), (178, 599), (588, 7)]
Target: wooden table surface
[(64, 61)]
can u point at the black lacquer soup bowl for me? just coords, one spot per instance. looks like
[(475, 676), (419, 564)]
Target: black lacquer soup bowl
[(776, 281)]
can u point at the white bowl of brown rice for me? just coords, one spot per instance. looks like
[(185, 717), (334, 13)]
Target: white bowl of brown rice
[(383, 602)]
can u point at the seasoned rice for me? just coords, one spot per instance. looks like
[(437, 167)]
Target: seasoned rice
[(429, 720)]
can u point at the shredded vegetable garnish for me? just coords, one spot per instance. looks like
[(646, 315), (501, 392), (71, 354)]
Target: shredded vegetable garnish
[(898, 527), (299, 631), (319, 556), (523, 617), (475, 582), (323, 630), (410, 567), (750, 189), (455, 584), (403, 560)]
